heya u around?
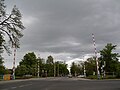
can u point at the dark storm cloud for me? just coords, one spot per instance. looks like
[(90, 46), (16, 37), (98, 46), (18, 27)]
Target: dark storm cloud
[(55, 22), (59, 26)]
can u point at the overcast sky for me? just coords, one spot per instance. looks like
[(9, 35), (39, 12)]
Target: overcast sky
[(63, 28)]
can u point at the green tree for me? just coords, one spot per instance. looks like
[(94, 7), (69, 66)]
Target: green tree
[(50, 66), (2, 68), (74, 69), (1, 61), (90, 66), (118, 71), (1, 49), (29, 61), (50, 60), (2, 41), (8, 71), (61, 69), (41, 66), (21, 70), (110, 58), (10, 26)]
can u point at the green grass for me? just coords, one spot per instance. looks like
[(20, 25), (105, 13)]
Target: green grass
[(109, 77), (91, 77), (106, 77)]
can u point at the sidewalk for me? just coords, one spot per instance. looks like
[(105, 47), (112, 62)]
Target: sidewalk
[(9, 81), (47, 78), (20, 80)]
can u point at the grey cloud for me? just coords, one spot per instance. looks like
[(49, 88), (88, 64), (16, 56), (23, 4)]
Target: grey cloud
[(76, 19), (67, 25)]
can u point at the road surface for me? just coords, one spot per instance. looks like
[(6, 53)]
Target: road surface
[(60, 84)]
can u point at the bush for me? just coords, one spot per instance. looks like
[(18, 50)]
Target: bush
[(91, 77), (118, 75)]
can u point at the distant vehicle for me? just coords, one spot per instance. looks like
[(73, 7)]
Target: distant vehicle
[(27, 76), (81, 76), (70, 76)]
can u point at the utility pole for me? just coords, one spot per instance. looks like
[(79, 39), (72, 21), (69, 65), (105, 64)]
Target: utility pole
[(14, 60), (95, 51), (84, 65), (84, 70)]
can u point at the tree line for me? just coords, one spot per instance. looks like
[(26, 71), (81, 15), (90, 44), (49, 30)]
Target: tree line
[(31, 65)]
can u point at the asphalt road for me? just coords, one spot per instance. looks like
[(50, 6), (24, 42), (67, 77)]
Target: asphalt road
[(60, 84)]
